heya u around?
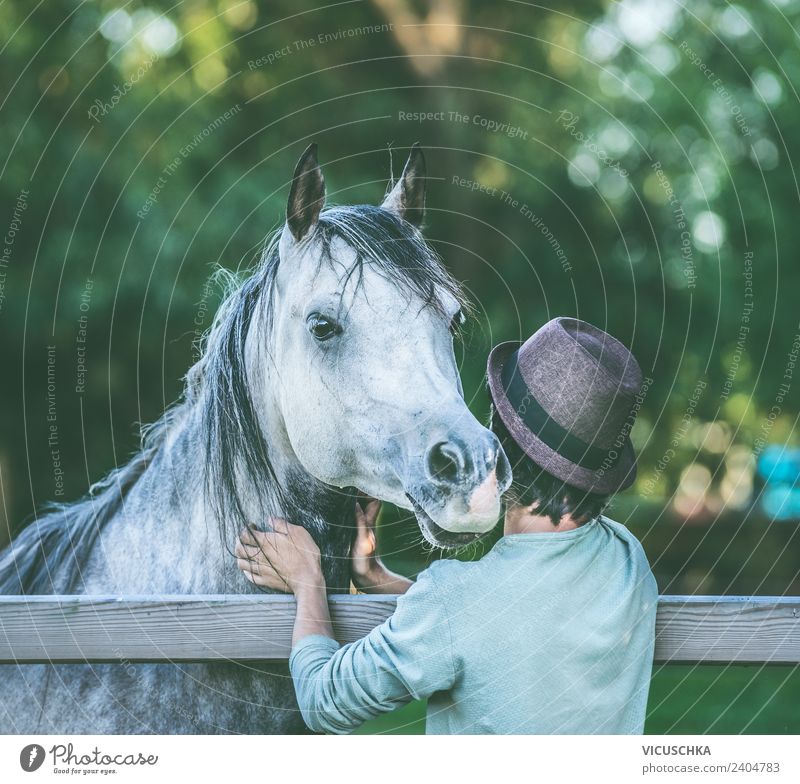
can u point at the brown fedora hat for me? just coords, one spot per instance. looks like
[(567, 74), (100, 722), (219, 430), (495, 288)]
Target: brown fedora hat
[(567, 396)]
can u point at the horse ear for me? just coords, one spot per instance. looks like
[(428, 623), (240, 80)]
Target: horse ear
[(407, 197), (307, 195)]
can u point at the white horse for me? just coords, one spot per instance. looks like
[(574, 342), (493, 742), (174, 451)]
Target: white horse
[(329, 370)]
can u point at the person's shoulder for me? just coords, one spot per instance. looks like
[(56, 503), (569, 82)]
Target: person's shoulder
[(619, 530), (635, 547), (449, 575), (436, 586), (446, 569), (623, 533)]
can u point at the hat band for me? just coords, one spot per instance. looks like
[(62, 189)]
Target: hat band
[(549, 432)]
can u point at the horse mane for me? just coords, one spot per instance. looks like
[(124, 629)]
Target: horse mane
[(48, 554), (46, 557)]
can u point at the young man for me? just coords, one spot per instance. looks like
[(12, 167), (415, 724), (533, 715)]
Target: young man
[(553, 630)]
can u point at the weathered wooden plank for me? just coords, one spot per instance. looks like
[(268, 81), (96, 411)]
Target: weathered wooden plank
[(167, 628), (728, 629), (705, 629)]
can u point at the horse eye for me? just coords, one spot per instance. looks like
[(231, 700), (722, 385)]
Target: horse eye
[(322, 328), (458, 321)]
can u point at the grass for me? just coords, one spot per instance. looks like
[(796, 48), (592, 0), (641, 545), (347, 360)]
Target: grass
[(683, 700)]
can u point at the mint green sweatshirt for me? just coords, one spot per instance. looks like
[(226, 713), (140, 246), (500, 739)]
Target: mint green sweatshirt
[(547, 633)]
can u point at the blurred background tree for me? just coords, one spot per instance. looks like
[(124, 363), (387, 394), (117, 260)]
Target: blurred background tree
[(627, 163)]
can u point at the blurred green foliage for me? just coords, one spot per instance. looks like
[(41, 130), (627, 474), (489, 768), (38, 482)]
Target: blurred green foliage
[(626, 164)]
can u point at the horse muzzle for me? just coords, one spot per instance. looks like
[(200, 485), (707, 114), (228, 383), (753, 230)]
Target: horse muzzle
[(457, 497)]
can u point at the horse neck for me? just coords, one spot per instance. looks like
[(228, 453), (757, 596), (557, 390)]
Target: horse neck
[(292, 493), (169, 521), (328, 513), (171, 512)]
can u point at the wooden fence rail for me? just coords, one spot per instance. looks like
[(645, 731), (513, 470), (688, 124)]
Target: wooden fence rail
[(698, 629)]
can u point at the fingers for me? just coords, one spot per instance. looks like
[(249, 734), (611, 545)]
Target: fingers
[(256, 555), (272, 581), (254, 538), (369, 514), (365, 518), (250, 547), (247, 566), (262, 573), (249, 551), (256, 580), (244, 540), (277, 525), (280, 526), (256, 566), (253, 560), (251, 537), (254, 569), (288, 545), (373, 508), (283, 548)]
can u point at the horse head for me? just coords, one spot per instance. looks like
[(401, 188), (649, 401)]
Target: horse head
[(363, 316)]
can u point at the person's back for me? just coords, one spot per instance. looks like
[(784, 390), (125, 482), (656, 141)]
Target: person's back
[(551, 633)]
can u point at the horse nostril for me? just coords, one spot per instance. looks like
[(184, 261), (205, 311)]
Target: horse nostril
[(503, 470), (500, 463), (445, 462)]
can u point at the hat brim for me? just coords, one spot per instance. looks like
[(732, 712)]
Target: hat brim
[(603, 481)]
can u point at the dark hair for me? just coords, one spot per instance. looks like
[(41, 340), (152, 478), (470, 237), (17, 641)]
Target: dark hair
[(533, 486)]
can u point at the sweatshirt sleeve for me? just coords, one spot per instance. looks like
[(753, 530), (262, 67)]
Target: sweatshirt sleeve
[(407, 657)]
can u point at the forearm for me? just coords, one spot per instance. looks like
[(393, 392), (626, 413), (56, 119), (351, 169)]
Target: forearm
[(313, 615), (381, 580), (408, 657)]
